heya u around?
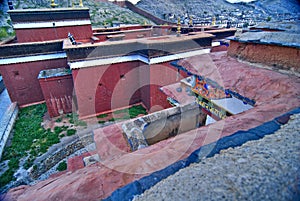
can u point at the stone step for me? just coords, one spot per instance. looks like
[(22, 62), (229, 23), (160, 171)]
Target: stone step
[(110, 142), (110, 145), (76, 162)]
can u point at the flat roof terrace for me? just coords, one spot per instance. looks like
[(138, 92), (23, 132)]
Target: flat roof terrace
[(148, 47)]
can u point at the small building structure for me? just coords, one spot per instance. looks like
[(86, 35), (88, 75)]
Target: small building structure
[(32, 25), (57, 87), (20, 65), (279, 49)]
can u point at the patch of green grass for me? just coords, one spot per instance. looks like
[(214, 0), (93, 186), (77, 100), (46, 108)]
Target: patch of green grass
[(58, 120), (64, 128), (69, 115), (28, 163), (29, 139), (3, 33), (136, 110), (121, 111), (132, 112), (71, 132), (6, 32), (81, 123), (58, 130), (102, 116), (7, 177), (62, 166), (74, 119)]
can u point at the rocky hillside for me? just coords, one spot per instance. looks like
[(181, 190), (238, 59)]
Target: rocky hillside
[(260, 9), (5, 23)]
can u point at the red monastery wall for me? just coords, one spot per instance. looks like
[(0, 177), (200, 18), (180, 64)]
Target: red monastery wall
[(162, 75), (103, 88), (283, 57), (55, 33), (21, 79), (58, 93), (127, 34)]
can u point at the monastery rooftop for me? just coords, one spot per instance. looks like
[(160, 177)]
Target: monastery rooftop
[(149, 40), (163, 45), (270, 38)]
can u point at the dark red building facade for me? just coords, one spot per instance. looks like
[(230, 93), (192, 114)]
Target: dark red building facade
[(57, 88), (117, 74), (38, 46), (33, 25), (109, 68), (20, 69)]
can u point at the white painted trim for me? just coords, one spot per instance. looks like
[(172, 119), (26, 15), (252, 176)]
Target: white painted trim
[(97, 62), (32, 58), (232, 105), (178, 56), (35, 25), (114, 60), (215, 44)]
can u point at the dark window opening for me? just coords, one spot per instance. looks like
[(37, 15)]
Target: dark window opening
[(16, 73)]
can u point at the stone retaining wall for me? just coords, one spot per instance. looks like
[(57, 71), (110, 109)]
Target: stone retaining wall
[(6, 124), (152, 128), (46, 162)]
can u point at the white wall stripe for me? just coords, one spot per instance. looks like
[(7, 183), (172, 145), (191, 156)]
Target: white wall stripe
[(178, 56), (114, 60), (215, 44), (33, 58), (35, 25)]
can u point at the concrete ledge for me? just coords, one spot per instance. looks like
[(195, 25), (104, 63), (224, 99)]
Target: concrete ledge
[(237, 139), (152, 128), (6, 124)]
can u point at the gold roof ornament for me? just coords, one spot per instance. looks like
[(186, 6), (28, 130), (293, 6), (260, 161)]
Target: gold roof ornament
[(80, 3), (178, 27), (191, 24), (213, 21), (53, 4)]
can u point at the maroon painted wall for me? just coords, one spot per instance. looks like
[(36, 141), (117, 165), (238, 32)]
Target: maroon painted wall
[(127, 35), (108, 87), (162, 75), (55, 33), (286, 58), (103, 88), (57, 92), (21, 79)]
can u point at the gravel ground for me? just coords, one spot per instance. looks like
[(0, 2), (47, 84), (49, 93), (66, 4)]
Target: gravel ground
[(266, 169)]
